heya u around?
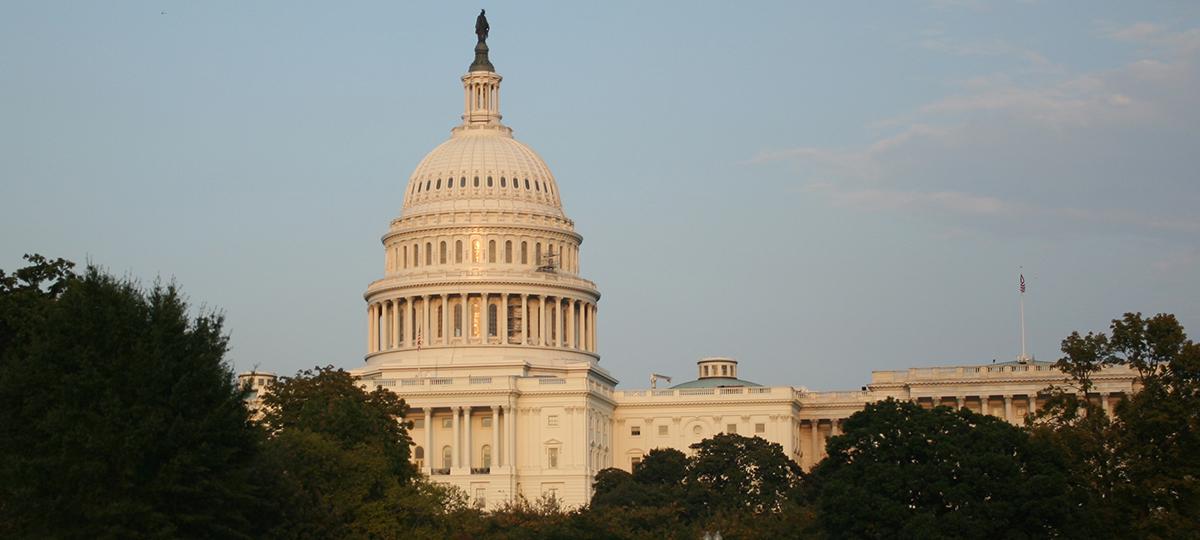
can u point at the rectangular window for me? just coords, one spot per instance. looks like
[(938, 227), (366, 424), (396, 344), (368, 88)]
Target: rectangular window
[(635, 463), (552, 420), (447, 423), (419, 423), (662, 430), (731, 428), (760, 428), (480, 499), (487, 421), (552, 458), (635, 431)]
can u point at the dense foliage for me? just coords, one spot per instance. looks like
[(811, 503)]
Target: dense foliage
[(119, 417)]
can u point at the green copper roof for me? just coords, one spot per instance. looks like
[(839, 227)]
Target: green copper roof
[(715, 382)]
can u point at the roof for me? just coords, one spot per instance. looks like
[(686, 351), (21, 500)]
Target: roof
[(715, 382)]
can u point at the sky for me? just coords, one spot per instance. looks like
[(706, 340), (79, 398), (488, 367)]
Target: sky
[(818, 190)]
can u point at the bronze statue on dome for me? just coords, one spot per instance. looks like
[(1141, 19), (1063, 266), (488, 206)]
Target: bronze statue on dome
[(481, 26)]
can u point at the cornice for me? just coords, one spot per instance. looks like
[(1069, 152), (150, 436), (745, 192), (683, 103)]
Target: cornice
[(397, 285)]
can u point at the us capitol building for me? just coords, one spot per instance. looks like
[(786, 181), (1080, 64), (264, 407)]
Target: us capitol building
[(485, 324)]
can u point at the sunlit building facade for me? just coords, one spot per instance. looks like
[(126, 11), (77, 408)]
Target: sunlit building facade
[(484, 323)]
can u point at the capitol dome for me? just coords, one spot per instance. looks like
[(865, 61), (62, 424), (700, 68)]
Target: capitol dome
[(482, 169)]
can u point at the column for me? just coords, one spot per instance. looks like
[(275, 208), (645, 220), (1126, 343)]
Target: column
[(1032, 399), (837, 427), (396, 323), (496, 437), (1104, 404), (502, 315), (1008, 408), (426, 335), (583, 322), (558, 322), (816, 443), (525, 319), (570, 342), (542, 321), (595, 312), (370, 328), (412, 322), (430, 454), (467, 421), (961, 402), (446, 330), (454, 450), (483, 318), (510, 437), (466, 318)]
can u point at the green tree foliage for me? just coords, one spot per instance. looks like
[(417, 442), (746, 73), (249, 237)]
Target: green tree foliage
[(1141, 468), (327, 401), (118, 416), (731, 472), (902, 471)]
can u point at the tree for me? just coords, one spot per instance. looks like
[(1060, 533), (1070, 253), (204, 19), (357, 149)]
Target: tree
[(119, 416), (731, 472), (902, 471), (1141, 467), (662, 467)]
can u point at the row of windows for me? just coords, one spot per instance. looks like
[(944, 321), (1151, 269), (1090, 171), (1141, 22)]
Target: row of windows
[(663, 430), (485, 457), (536, 186), (510, 252)]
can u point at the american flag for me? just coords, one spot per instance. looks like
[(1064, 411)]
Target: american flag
[(419, 335), (1022, 283)]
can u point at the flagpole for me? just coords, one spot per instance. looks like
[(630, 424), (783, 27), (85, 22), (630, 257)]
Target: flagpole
[(1023, 325)]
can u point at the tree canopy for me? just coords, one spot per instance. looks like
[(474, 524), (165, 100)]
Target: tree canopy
[(118, 414)]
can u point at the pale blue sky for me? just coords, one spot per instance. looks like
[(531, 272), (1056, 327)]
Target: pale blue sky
[(816, 190)]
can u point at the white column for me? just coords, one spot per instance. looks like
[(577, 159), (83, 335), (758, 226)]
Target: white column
[(510, 436), (484, 324), (454, 450), (542, 321), (412, 323), (370, 328), (570, 334), (558, 322), (1032, 399), (1104, 404), (496, 437), (466, 318), (816, 443), (1008, 408), (961, 401), (837, 429), (396, 323), (595, 313), (502, 316), (426, 317), (430, 454), (446, 330), (469, 449), (525, 319)]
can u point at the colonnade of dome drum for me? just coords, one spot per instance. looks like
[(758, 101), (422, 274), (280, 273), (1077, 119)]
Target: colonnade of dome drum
[(531, 251), (481, 318)]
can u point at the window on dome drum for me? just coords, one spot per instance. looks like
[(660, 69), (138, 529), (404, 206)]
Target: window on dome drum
[(663, 430), (526, 183), (760, 428), (537, 254), (476, 181), (524, 252), (457, 320), (724, 370), (476, 251), (428, 253), (635, 431), (475, 306), (537, 186), (731, 428), (462, 182), (449, 183), (427, 182), (502, 182), (439, 183), (458, 251), (491, 251), (442, 253), (416, 255), (552, 420), (489, 181), (418, 187), (406, 256), (492, 330), (447, 460), (508, 251)]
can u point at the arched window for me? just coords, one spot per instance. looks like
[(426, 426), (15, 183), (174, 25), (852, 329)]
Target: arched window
[(457, 320), (486, 456), (475, 318), (450, 183), (537, 186), (462, 182), (419, 456), (476, 251), (427, 182), (458, 251), (502, 184), (492, 330), (537, 254), (428, 253), (489, 181), (406, 256), (526, 183), (476, 181), (491, 251), (439, 183), (524, 252), (438, 323), (447, 459), (416, 255), (442, 253), (508, 251)]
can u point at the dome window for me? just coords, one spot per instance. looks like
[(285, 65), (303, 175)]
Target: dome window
[(476, 181), (439, 183), (502, 184), (462, 182), (489, 181), (526, 183), (537, 186), (450, 183), (427, 182), (418, 187)]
